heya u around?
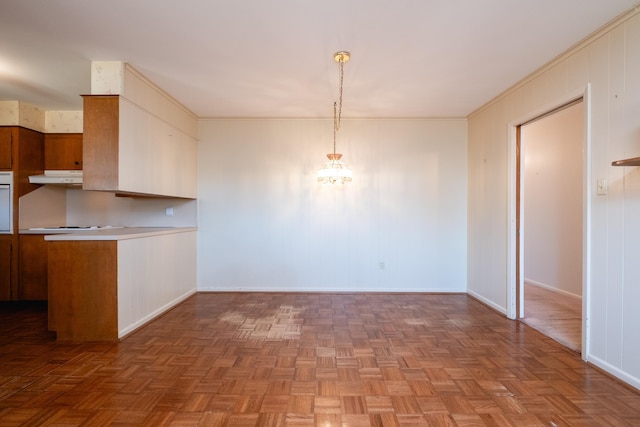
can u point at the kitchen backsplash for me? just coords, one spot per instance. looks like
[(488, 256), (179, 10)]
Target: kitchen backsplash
[(52, 206), (44, 207), (103, 208)]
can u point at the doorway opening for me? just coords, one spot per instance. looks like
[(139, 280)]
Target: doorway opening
[(550, 175)]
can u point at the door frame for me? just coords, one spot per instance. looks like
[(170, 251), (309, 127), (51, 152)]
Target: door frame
[(515, 245)]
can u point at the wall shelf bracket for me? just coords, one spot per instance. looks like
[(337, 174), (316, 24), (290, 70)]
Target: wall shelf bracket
[(635, 161)]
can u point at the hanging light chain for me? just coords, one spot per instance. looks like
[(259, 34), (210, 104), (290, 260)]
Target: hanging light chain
[(337, 115), (335, 127), (337, 123), (335, 171)]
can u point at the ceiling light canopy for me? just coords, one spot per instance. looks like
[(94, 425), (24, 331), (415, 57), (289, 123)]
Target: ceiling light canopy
[(335, 171)]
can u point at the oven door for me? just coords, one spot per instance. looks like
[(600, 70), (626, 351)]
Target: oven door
[(6, 202), (5, 208)]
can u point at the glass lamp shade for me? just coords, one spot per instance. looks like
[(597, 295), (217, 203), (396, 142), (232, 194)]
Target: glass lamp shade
[(334, 171)]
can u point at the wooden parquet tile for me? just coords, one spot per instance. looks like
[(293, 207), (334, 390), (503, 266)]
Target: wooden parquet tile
[(306, 359)]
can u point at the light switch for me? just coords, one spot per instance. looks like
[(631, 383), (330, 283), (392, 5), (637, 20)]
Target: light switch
[(602, 187)]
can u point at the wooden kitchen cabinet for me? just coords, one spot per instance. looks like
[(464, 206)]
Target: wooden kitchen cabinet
[(6, 262), (26, 157), (128, 150), (22, 151), (5, 148), (33, 267), (63, 151)]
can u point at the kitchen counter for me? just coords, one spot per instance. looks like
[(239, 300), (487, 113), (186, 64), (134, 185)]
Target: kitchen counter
[(66, 230), (115, 233), (46, 231), (105, 283)]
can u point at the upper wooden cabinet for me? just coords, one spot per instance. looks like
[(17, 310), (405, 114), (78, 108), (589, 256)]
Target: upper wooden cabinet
[(127, 149), (22, 151), (63, 151), (6, 140)]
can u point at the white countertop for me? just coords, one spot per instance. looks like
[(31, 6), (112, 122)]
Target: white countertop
[(63, 229), (112, 233)]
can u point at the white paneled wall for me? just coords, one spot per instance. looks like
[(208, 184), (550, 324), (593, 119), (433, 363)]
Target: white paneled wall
[(265, 223), (610, 64), (154, 274)]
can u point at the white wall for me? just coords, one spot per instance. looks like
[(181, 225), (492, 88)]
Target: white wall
[(610, 63), (266, 224), (552, 198)]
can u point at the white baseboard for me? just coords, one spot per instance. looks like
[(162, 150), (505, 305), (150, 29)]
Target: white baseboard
[(616, 372), (130, 328), (330, 289), (551, 288), (485, 301)]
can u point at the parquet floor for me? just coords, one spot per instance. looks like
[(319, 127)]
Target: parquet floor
[(304, 359), (554, 314)]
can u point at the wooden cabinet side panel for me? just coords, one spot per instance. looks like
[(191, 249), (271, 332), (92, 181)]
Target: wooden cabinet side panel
[(29, 153), (83, 290), (63, 151), (100, 146), (33, 267)]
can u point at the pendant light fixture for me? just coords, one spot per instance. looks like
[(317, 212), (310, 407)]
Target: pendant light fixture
[(335, 171)]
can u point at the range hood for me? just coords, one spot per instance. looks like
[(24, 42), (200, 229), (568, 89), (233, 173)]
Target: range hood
[(70, 177)]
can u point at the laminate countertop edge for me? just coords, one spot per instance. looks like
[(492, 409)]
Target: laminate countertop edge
[(118, 233)]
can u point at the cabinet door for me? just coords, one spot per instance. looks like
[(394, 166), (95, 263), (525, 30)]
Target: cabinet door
[(33, 267), (63, 151), (5, 268), (5, 148)]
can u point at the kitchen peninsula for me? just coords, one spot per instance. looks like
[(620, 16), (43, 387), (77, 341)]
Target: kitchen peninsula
[(103, 284), (132, 154)]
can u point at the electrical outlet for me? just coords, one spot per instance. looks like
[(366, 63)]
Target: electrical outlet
[(168, 212), (381, 265)]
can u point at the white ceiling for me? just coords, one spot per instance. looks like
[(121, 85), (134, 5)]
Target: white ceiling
[(274, 58)]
